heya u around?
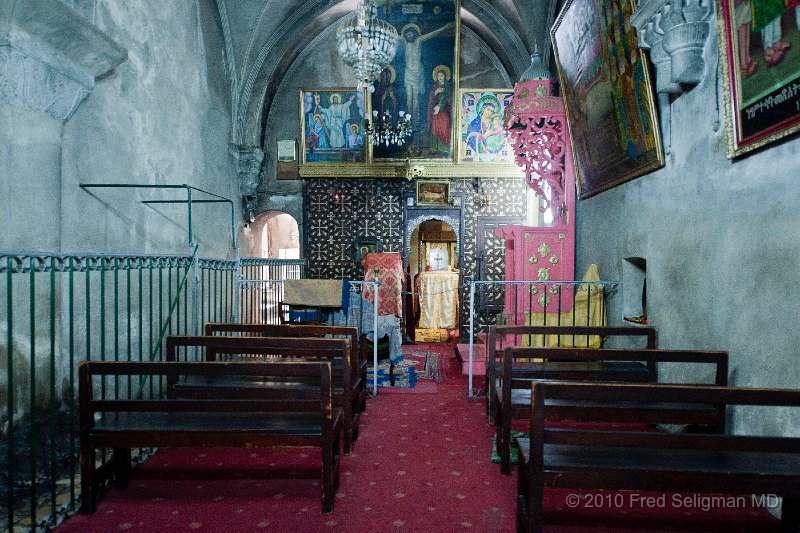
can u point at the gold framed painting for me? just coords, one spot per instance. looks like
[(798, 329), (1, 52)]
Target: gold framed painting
[(433, 193), (331, 126), (422, 80), (760, 78), (482, 137), (608, 94)]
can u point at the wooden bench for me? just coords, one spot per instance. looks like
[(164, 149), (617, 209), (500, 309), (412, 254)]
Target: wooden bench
[(500, 337), (290, 349), (166, 421), (513, 398), (304, 314), (627, 459), (358, 363)]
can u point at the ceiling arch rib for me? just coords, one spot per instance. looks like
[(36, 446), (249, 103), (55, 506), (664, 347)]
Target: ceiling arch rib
[(269, 42), (271, 65), (495, 28), (281, 48), (470, 22)]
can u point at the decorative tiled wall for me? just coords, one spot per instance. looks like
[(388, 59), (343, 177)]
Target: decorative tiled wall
[(339, 210)]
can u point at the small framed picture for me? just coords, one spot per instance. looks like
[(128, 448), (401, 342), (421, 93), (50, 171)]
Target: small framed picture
[(433, 193), (365, 245)]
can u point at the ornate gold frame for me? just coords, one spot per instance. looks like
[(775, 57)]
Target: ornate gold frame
[(461, 94), (430, 203), (729, 63), (642, 168), (414, 168), (302, 143)]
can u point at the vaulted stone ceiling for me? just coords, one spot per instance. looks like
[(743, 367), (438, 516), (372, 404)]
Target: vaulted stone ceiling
[(263, 39)]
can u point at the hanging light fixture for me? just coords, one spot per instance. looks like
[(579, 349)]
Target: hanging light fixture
[(384, 130), (367, 44)]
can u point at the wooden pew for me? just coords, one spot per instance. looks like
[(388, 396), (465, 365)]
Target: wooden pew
[(509, 336), (337, 351), (358, 363), (513, 399), (167, 421), (628, 459)]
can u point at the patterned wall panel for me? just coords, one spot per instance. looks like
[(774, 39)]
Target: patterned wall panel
[(339, 210)]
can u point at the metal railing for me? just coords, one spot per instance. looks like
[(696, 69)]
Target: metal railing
[(539, 303), (261, 287), (58, 310)]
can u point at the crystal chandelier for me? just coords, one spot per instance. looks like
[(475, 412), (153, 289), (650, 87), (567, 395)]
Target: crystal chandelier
[(383, 130), (366, 44)]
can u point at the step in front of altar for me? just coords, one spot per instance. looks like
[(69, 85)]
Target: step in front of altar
[(478, 358)]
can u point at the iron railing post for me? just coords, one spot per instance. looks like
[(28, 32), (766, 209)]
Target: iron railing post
[(237, 282), (471, 330)]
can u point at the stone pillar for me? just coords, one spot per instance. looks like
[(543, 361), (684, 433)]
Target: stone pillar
[(675, 31), (247, 161)]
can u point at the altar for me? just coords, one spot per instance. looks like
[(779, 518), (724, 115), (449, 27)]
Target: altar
[(438, 299)]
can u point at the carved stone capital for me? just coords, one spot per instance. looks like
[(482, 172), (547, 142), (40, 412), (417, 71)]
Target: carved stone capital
[(50, 57), (652, 38), (27, 82), (247, 162), (676, 32)]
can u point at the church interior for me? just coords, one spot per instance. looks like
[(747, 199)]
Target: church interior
[(417, 229)]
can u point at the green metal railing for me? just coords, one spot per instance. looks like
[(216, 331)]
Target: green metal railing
[(261, 287), (58, 310), (189, 201)]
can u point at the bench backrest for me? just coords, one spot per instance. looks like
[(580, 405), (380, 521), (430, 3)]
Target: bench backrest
[(662, 403), (318, 373), (290, 330), (500, 334), (596, 365), (648, 357), (216, 347)]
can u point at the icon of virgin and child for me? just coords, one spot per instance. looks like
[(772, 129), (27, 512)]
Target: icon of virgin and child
[(485, 136)]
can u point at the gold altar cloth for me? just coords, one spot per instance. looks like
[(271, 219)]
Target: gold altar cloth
[(313, 292), (438, 299)]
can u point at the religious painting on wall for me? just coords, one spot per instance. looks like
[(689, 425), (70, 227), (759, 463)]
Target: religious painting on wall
[(760, 58), (332, 122), (482, 137), (363, 246), (422, 80), (433, 193), (608, 93)]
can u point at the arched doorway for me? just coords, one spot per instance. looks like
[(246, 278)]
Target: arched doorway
[(275, 235), (433, 268), (272, 235)]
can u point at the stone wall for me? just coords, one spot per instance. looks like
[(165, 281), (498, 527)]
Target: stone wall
[(160, 116), (721, 239), (110, 92)]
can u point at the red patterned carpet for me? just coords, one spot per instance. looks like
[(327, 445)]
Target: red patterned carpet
[(421, 464)]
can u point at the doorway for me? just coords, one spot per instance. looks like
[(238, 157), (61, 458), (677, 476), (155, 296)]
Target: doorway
[(272, 235), (434, 277), (275, 235)]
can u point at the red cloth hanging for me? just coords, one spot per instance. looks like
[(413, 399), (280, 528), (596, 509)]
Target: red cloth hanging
[(390, 276)]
